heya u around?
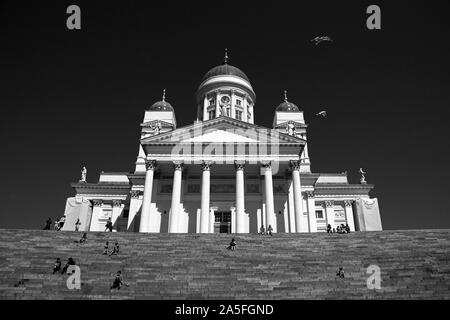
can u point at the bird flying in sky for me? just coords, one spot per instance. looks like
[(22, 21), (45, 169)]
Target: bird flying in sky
[(318, 40), (322, 113)]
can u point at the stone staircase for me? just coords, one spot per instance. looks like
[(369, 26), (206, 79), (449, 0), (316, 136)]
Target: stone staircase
[(414, 265)]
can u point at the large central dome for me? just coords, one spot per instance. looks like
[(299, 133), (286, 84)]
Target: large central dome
[(225, 69)]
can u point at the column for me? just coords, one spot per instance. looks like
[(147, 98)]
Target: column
[(329, 209), (147, 199), (298, 201), (291, 207), (268, 187), (349, 214), (176, 197), (135, 203), (233, 105), (216, 96), (205, 108), (116, 211), (245, 114), (204, 215), (240, 202), (96, 213), (311, 211)]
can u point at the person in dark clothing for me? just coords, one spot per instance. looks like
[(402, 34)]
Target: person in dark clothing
[(232, 245), (70, 262), (340, 273), (57, 266), (329, 228), (83, 238), (48, 224), (105, 248), (347, 228), (262, 230), (61, 222), (109, 225), (77, 225), (269, 230), (118, 281)]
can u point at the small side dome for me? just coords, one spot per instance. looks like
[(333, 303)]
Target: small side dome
[(162, 105), (287, 106)]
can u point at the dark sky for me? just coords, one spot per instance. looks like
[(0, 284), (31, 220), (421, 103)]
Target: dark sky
[(74, 98)]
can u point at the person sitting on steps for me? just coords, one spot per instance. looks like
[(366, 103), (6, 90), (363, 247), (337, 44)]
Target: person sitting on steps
[(83, 238), (115, 249), (70, 262), (269, 230), (61, 222), (262, 230), (57, 266), (48, 224), (105, 248), (347, 228), (340, 273), (329, 228), (232, 245)]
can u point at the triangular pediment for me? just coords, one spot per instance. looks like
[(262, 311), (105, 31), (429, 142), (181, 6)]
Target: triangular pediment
[(223, 130)]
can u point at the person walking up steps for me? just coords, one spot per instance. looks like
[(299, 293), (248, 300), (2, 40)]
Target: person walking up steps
[(232, 245), (269, 230), (118, 281), (70, 262), (109, 225), (77, 225)]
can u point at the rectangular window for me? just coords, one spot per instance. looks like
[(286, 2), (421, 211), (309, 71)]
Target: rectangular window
[(212, 102), (238, 115), (319, 214), (212, 114), (238, 102)]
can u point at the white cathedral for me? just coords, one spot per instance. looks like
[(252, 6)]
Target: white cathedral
[(223, 173)]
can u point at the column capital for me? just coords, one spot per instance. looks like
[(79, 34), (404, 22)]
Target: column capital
[(329, 203), (266, 164), (117, 203), (239, 165), (294, 165), (348, 203), (310, 194), (178, 165), (135, 193), (206, 165), (97, 202), (150, 164)]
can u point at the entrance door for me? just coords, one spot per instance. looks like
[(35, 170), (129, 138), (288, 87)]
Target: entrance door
[(222, 222)]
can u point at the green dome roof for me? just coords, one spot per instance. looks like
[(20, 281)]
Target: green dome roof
[(161, 106), (287, 107), (225, 69)]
